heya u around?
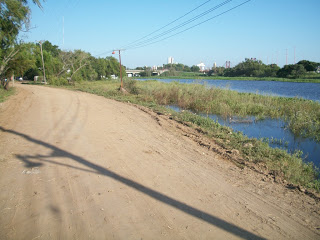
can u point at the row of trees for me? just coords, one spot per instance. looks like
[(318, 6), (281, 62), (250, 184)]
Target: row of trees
[(65, 66), (14, 17), (179, 67), (255, 68), (173, 69), (247, 68), (25, 60)]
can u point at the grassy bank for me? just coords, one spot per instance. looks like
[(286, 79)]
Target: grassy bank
[(153, 94), (303, 116), (4, 94), (201, 76)]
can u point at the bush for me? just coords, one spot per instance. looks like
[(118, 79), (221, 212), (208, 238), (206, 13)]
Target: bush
[(56, 81), (131, 86)]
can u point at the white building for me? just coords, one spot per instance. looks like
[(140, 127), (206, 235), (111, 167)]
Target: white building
[(170, 60), (201, 66)]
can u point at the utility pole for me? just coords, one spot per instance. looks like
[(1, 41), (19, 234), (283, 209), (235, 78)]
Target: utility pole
[(44, 71), (286, 56), (121, 85)]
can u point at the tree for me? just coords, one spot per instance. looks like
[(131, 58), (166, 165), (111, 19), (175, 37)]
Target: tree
[(195, 68), (14, 17), (24, 60), (308, 65), (252, 68), (78, 60), (292, 71)]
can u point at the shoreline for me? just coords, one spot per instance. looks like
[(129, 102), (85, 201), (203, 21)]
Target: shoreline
[(267, 79)]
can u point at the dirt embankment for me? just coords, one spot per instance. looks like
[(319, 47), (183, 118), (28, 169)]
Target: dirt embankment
[(78, 166)]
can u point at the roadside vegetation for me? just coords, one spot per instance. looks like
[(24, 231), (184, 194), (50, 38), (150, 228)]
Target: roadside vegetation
[(4, 94), (152, 94)]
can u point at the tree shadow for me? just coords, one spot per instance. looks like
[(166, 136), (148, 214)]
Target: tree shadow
[(94, 168)]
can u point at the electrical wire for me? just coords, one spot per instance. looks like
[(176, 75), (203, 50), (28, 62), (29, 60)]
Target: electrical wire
[(191, 26), (181, 25), (167, 24)]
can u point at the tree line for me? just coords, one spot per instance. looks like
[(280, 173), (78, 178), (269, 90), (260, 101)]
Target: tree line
[(25, 59), (256, 68), (247, 68), (61, 67)]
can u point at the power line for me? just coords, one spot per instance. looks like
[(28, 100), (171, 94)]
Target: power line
[(147, 42), (191, 26), (168, 24), (180, 25)]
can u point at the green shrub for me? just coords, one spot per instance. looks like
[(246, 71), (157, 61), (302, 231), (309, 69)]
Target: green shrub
[(58, 81)]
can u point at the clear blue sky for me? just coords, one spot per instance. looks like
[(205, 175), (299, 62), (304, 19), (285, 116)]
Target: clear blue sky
[(263, 29)]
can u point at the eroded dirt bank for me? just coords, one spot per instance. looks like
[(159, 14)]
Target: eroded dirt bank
[(79, 166)]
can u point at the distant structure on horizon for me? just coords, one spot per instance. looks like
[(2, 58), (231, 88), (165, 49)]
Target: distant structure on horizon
[(214, 65), (170, 60), (202, 66)]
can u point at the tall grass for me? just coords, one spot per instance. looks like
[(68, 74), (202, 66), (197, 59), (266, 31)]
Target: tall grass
[(303, 116)]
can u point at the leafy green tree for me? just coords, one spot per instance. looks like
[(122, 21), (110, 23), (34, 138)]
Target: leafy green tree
[(292, 71), (216, 71), (252, 68), (271, 70), (14, 17), (308, 65), (77, 61), (24, 60), (195, 68), (52, 49)]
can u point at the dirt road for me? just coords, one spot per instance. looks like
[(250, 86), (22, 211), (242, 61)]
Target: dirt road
[(79, 166)]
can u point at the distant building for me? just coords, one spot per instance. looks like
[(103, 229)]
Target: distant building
[(170, 60), (214, 65), (154, 68), (201, 66)]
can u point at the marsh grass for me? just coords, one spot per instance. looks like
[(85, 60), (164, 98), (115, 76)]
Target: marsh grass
[(154, 95), (302, 116)]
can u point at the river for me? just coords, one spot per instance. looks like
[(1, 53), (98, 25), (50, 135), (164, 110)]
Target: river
[(274, 129)]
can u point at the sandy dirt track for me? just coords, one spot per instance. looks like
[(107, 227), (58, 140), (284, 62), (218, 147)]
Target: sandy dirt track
[(79, 166)]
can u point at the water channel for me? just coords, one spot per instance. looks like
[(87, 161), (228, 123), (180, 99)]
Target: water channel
[(275, 129)]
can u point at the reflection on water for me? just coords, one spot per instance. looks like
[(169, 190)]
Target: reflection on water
[(272, 129)]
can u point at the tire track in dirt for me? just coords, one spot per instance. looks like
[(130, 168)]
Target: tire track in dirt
[(103, 169)]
